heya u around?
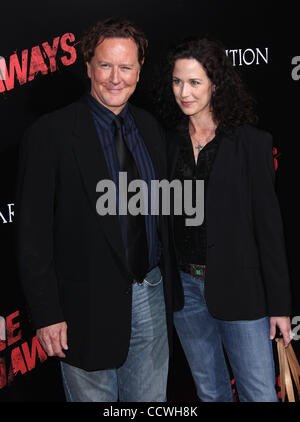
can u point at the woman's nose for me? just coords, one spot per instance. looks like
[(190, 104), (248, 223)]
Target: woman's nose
[(185, 90)]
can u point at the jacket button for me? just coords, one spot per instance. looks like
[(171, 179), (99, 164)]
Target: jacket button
[(211, 245)]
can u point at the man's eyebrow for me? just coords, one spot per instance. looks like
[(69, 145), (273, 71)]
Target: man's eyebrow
[(121, 64)]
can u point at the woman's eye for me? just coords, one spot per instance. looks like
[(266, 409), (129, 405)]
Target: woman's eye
[(195, 83), (175, 81)]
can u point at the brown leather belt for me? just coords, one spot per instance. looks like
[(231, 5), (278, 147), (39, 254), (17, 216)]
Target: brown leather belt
[(197, 271)]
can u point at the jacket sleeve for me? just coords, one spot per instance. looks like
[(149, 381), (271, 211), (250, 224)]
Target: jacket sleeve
[(268, 228), (34, 225)]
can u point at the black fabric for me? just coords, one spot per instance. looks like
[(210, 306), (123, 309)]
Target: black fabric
[(71, 260), (135, 230), (103, 119), (247, 274), (191, 241)]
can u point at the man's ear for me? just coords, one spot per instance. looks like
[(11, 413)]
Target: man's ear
[(141, 64), (88, 69)]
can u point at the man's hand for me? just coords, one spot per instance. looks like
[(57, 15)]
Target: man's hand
[(284, 325), (53, 339)]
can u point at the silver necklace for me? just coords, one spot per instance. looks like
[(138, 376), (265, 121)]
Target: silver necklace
[(199, 146)]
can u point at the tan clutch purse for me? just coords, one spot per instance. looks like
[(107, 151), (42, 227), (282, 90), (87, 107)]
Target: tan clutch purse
[(289, 370)]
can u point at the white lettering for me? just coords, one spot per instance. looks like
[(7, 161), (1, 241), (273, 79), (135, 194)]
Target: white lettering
[(296, 69), (2, 68), (296, 329), (106, 203), (138, 203), (248, 56)]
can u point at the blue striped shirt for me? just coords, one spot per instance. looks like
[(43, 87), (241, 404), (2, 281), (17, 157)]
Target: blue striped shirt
[(103, 119)]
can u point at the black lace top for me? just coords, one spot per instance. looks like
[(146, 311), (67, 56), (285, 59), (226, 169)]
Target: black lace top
[(191, 240)]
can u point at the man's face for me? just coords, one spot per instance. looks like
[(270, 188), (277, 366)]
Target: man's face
[(114, 72)]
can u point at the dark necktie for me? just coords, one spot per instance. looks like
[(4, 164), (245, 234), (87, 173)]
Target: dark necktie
[(135, 230)]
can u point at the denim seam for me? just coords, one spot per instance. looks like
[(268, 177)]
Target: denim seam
[(152, 284)]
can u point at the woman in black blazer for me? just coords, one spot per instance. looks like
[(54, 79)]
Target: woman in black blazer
[(235, 282)]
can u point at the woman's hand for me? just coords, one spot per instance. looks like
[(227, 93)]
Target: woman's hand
[(284, 325)]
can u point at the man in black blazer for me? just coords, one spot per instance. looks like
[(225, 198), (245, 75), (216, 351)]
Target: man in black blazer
[(108, 327)]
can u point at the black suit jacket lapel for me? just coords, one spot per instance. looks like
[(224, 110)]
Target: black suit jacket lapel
[(147, 132), (225, 172), (152, 139), (92, 165), (175, 140)]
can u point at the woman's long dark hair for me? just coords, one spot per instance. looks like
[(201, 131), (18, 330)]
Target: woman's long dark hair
[(231, 103)]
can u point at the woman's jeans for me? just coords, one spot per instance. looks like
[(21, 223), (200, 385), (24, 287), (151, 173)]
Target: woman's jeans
[(247, 344), (143, 376)]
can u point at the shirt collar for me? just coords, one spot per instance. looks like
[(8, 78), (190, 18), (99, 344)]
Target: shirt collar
[(105, 116), (183, 127)]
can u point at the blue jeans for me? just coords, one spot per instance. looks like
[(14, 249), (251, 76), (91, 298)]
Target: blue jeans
[(247, 345), (143, 376)]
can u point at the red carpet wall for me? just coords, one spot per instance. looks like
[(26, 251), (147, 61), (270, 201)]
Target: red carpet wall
[(41, 70)]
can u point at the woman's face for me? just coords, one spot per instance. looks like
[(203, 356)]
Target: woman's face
[(191, 87)]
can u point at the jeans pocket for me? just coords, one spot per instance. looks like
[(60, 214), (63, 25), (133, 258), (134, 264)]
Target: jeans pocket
[(153, 278), (152, 284)]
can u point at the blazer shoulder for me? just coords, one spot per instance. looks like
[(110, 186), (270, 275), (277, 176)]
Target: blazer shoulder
[(252, 132), (66, 110), (55, 121), (254, 136), (61, 115), (143, 115), (43, 131), (64, 116)]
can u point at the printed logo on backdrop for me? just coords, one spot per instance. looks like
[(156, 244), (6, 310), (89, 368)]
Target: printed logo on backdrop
[(22, 67), (3, 69), (7, 213), (276, 155), (296, 68), (248, 56), (17, 357)]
